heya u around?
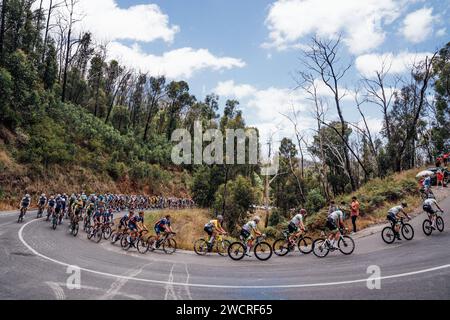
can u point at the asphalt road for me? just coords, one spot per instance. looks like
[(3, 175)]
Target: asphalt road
[(37, 263)]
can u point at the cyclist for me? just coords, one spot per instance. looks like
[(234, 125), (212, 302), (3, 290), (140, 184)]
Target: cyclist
[(214, 227), (108, 216), (77, 210), (334, 222), (42, 202), (25, 203), (135, 225), (125, 219), (393, 217), (428, 208), (246, 233), (89, 210), (51, 206), (295, 224), (162, 226), (98, 215), (59, 207)]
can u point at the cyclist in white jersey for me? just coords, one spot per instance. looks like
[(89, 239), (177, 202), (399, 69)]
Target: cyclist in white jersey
[(428, 208), (334, 222), (295, 224), (246, 233)]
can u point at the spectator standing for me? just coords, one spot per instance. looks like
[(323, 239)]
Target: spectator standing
[(354, 206), (440, 178)]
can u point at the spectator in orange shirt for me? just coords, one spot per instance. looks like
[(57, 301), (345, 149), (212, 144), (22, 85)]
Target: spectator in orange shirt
[(354, 212), (440, 178)]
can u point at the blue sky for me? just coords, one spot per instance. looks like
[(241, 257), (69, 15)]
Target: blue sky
[(249, 49)]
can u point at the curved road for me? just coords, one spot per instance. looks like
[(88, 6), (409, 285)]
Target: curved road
[(37, 262)]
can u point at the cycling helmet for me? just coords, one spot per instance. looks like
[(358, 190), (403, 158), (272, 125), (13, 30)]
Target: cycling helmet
[(43, 195), (404, 204), (257, 219), (220, 217), (303, 212), (27, 196)]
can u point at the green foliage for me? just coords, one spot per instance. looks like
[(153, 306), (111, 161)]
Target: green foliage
[(314, 201), (241, 195)]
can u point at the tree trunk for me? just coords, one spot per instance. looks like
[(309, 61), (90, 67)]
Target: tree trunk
[(66, 66), (47, 27), (2, 30)]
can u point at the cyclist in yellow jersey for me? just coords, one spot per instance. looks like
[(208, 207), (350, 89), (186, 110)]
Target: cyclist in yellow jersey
[(213, 228)]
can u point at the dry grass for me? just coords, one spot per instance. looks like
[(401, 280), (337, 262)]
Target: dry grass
[(188, 224)]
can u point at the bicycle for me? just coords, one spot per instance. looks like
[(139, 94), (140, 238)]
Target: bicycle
[(263, 250), (138, 242), (117, 235), (167, 242), (106, 230), (426, 225), (283, 246), (322, 246), (96, 233), (22, 213), (388, 233), (426, 194), (86, 222), (202, 246), (40, 212), (50, 212), (54, 220), (74, 227)]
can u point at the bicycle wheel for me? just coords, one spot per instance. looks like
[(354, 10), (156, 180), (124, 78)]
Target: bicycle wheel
[(142, 246), (305, 245), (20, 218), (320, 248), (263, 251), (54, 223), (169, 246), (407, 231), (201, 247), (281, 247), (440, 224), (388, 235), (98, 235), (151, 243), (236, 251), (222, 247), (346, 245), (124, 243), (115, 236), (426, 227), (90, 232), (106, 233), (75, 229)]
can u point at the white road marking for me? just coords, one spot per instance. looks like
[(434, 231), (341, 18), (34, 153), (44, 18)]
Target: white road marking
[(119, 283), (84, 287), (57, 290), (407, 274), (169, 287)]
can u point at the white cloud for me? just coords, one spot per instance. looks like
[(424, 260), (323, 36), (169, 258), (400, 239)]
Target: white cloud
[(400, 63), (441, 32), (179, 63), (418, 25), (360, 22), (230, 89), (108, 22)]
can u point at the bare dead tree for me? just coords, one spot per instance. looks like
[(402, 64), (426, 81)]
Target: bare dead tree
[(322, 58), (382, 93)]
